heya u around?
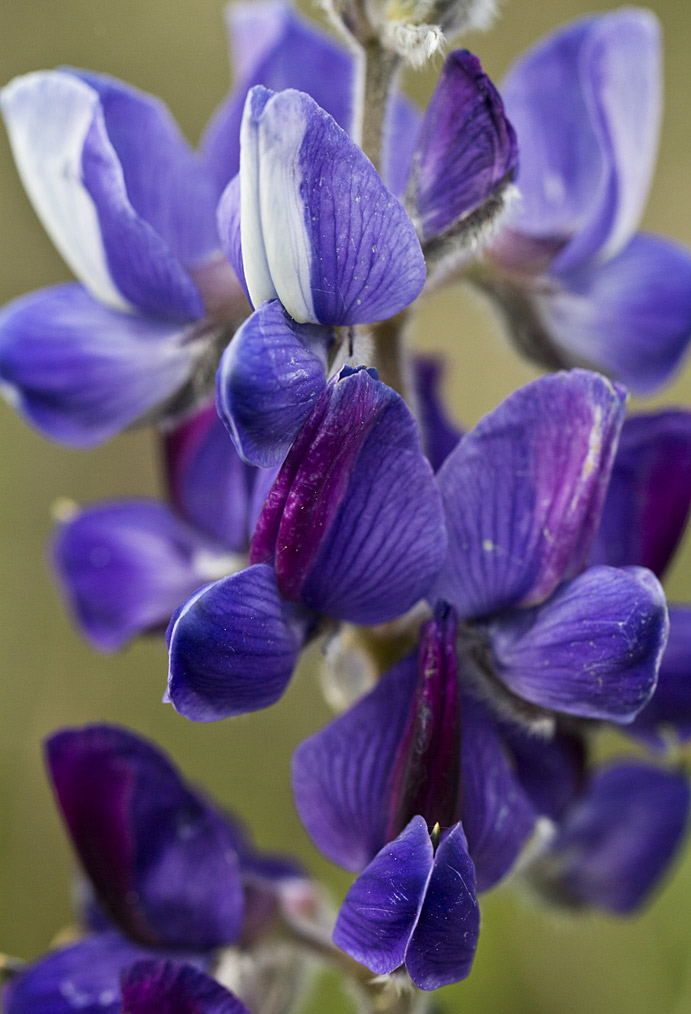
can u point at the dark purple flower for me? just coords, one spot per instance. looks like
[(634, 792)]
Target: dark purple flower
[(523, 493), (578, 284), (352, 528), (167, 987), (383, 789)]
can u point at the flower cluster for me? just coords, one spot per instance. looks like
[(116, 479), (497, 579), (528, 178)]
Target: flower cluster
[(488, 603)]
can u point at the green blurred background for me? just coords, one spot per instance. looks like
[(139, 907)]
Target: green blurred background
[(528, 960)]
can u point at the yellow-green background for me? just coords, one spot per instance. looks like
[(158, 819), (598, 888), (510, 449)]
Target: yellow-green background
[(528, 961)]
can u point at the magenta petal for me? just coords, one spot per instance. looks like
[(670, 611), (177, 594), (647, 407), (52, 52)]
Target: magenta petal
[(170, 987), (381, 909), (523, 492), (126, 567), (649, 495), (233, 646), (81, 372), (443, 943), (354, 521), (593, 649), (162, 861)]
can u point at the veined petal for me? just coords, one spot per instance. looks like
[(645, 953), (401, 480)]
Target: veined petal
[(649, 494), (319, 229), (381, 909), (551, 770), (667, 716), (498, 817), (443, 943), (273, 46), (81, 372), (593, 649), (467, 149), (166, 182), (618, 840), (353, 521), (76, 183), (82, 977), (149, 986), (269, 379), (342, 774), (585, 103), (523, 492), (209, 485), (125, 568), (233, 647), (630, 316), (162, 860)]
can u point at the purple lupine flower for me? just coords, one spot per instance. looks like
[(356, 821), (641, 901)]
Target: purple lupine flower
[(125, 566), (384, 788), (174, 878), (352, 528), (523, 493), (578, 284), (132, 210), (336, 248), (644, 516), (616, 839)]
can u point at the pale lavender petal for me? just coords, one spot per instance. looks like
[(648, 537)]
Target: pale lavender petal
[(166, 182), (593, 649), (124, 568), (649, 494), (467, 149), (381, 909), (82, 977), (585, 103), (667, 717), (275, 47), (618, 841), (342, 774), (233, 647), (269, 379), (443, 944), (171, 987), (319, 229), (354, 521), (162, 861), (630, 316), (401, 129), (81, 372), (210, 487), (523, 492), (498, 817)]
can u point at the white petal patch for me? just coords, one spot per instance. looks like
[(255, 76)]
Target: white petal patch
[(275, 246), (48, 116)]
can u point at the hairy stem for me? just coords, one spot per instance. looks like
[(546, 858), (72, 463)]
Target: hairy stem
[(379, 69)]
